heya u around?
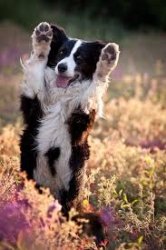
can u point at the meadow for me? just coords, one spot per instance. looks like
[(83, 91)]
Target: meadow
[(126, 172)]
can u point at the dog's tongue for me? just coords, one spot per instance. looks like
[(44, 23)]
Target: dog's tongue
[(62, 81)]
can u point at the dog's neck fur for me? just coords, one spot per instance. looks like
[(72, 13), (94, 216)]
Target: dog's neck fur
[(88, 95)]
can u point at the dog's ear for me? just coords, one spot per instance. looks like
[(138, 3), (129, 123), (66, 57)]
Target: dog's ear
[(91, 52), (59, 37), (95, 49), (59, 34)]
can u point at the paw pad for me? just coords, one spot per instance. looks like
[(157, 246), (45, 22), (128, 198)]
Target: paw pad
[(43, 32), (109, 52)]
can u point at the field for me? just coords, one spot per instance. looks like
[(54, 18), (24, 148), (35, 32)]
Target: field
[(126, 171)]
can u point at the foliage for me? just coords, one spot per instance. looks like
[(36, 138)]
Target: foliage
[(29, 13), (133, 14), (125, 181)]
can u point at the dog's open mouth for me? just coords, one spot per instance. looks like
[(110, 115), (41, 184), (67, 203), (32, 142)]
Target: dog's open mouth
[(64, 81)]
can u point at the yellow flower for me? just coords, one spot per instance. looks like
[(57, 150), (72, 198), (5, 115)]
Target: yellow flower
[(85, 203)]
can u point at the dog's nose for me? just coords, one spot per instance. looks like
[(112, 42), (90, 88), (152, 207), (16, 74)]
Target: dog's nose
[(62, 67)]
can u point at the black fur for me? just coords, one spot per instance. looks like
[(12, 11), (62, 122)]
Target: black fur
[(77, 161), (31, 110), (79, 123), (52, 155), (93, 227), (59, 37), (86, 56), (65, 50), (79, 155), (32, 113)]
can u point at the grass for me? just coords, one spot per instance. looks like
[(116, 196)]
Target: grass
[(125, 182), (126, 172)]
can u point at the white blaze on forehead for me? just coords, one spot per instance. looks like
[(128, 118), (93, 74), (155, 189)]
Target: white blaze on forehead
[(76, 46), (69, 61)]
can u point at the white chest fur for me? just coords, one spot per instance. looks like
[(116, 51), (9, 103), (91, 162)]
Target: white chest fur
[(53, 133)]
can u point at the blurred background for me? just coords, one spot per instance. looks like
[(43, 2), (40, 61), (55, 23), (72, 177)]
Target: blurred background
[(138, 26), (126, 171)]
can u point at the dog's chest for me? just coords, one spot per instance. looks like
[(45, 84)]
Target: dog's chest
[(53, 133)]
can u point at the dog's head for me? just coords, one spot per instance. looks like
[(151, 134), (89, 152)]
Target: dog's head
[(73, 60)]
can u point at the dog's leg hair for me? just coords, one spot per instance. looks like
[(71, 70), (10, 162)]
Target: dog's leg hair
[(34, 67), (31, 96), (80, 125), (107, 62)]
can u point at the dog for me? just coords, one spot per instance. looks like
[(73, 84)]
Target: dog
[(64, 82)]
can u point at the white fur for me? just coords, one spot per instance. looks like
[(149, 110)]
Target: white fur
[(33, 81), (34, 67)]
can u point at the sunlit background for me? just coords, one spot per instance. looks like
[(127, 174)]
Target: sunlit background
[(126, 170), (138, 26)]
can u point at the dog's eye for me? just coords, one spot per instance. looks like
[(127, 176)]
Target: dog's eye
[(61, 52), (79, 58)]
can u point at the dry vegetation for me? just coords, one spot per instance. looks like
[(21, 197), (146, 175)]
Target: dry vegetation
[(126, 174)]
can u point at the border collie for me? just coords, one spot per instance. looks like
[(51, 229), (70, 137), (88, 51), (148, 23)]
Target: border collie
[(64, 82)]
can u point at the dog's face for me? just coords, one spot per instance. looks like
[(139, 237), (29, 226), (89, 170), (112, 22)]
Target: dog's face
[(73, 60)]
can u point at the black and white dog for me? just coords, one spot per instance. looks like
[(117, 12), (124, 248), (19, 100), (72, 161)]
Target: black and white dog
[(64, 82)]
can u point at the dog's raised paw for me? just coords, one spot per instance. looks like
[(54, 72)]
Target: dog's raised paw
[(110, 52), (43, 32), (107, 62)]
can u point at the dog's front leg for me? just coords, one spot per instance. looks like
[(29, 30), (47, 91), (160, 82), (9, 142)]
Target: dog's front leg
[(107, 62), (33, 84), (34, 67), (32, 95)]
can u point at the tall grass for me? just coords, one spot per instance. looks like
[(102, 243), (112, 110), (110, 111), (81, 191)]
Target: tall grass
[(125, 184), (125, 180)]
